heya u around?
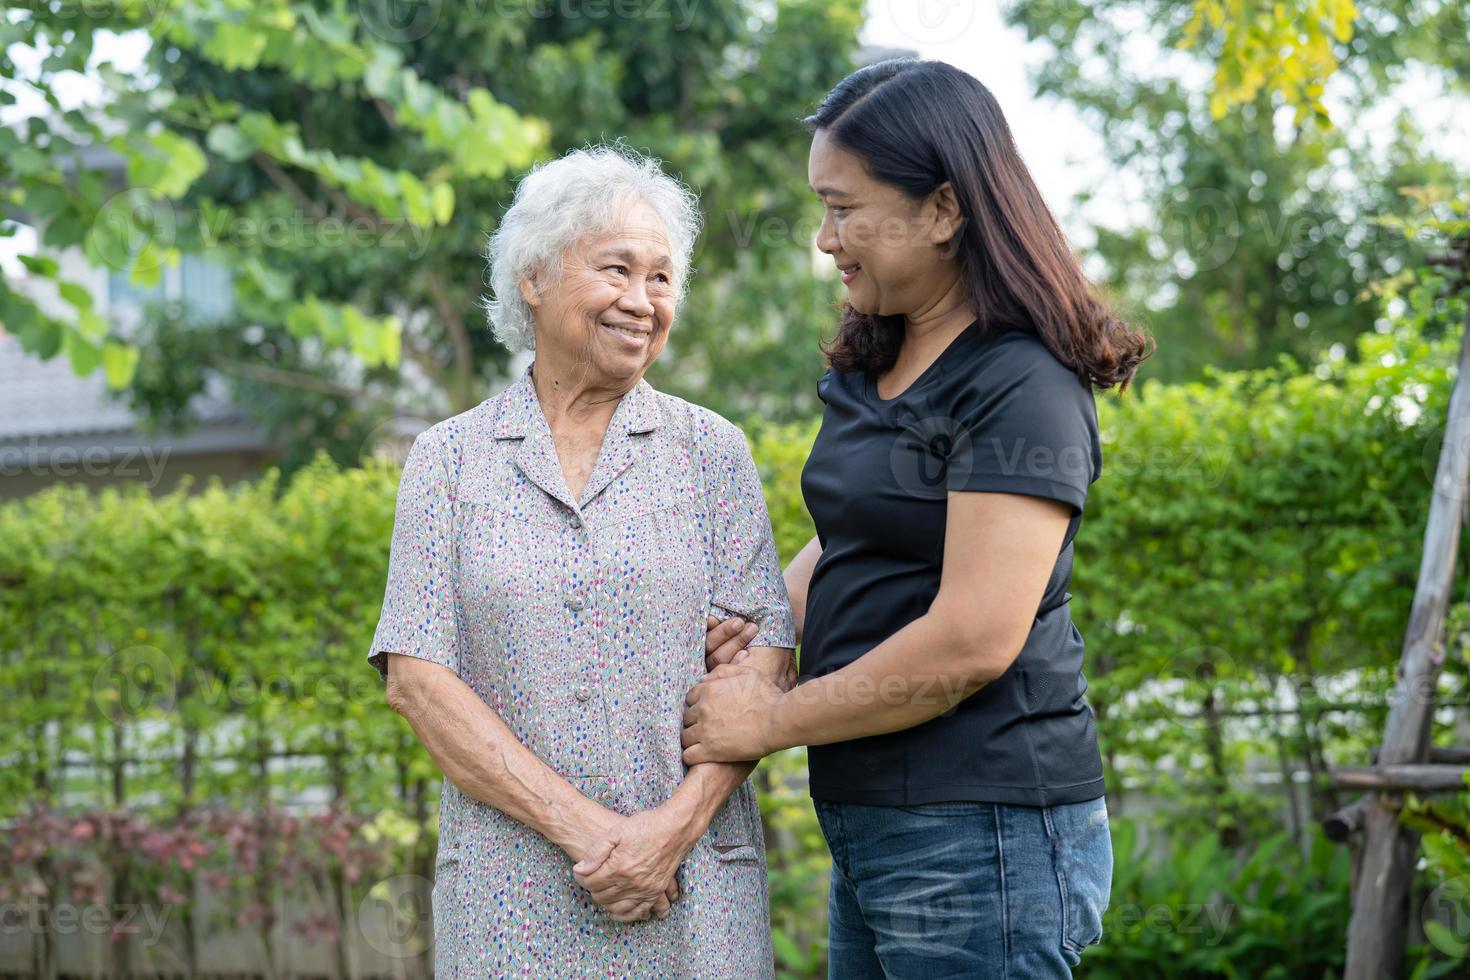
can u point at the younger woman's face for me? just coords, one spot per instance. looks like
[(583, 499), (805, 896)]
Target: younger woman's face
[(892, 252)]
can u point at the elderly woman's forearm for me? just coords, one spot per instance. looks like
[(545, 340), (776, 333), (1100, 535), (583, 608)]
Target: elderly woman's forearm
[(476, 751), (705, 789)]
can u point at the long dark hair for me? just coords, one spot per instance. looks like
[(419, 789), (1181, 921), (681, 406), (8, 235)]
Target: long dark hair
[(915, 124)]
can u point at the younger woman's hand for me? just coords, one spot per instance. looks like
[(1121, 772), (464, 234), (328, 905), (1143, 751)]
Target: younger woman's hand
[(730, 716)]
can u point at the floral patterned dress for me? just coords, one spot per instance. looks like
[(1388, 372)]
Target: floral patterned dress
[(581, 622)]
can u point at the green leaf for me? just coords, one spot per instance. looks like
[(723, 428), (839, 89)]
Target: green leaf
[(147, 269), (119, 362), (75, 294), (64, 230), (41, 265), (230, 142), (443, 203), (84, 355), (390, 340), (416, 199), (91, 324), (359, 332), (183, 163), (236, 46)]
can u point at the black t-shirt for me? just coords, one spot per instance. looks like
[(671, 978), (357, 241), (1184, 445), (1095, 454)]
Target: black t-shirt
[(995, 412)]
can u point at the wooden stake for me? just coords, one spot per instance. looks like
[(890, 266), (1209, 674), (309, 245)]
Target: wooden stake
[(1377, 930)]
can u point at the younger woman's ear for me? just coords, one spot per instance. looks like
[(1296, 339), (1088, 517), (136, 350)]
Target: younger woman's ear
[(948, 219), (530, 292)]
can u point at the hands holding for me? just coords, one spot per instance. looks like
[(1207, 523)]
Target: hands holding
[(729, 715), (724, 643)]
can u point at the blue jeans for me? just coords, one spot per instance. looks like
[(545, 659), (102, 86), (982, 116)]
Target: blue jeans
[(979, 890)]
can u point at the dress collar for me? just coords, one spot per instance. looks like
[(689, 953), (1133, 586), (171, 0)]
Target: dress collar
[(521, 418), (520, 411)]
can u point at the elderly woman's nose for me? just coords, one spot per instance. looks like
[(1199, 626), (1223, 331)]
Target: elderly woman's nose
[(635, 299)]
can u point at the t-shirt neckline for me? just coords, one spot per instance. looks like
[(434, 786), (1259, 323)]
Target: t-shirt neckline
[(871, 381)]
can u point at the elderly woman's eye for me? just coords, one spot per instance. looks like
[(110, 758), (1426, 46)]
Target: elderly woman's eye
[(663, 277), (621, 270)]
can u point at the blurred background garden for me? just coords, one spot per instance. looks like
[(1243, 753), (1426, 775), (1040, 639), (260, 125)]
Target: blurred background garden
[(243, 252)]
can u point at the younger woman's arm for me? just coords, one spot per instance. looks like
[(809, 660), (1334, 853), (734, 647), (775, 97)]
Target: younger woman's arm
[(998, 555)]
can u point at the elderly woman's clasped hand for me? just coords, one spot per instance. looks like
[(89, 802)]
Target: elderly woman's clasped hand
[(631, 868)]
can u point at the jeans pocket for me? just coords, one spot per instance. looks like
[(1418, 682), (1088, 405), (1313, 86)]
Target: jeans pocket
[(1082, 850), (829, 822)]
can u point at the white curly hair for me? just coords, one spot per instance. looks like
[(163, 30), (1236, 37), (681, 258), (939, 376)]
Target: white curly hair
[(585, 192)]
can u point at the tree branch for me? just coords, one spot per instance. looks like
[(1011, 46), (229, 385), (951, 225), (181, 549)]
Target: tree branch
[(459, 341), (284, 182), (278, 376)]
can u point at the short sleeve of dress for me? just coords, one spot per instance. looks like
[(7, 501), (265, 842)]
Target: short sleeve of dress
[(1033, 431), (745, 567), (420, 616)]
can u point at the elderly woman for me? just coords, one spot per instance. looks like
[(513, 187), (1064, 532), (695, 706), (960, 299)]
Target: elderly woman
[(557, 553)]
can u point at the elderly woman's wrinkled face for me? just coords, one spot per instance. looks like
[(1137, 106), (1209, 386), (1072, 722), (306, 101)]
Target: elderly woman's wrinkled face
[(613, 304)]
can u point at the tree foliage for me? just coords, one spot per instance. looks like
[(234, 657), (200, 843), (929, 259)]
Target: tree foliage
[(347, 169), (1252, 233)]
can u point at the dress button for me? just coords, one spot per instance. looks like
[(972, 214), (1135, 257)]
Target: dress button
[(574, 601), (575, 522), (584, 693)]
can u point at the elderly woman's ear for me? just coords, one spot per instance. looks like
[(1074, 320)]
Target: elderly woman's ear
[(530, 292)]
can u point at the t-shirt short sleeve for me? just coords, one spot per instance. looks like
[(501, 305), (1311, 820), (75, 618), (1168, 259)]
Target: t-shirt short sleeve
[(1029, 427)]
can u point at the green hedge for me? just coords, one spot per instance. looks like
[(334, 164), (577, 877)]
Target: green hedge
[(1267, 523)]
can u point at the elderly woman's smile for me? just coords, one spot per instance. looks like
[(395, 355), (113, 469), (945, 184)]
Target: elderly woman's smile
[(636, 333)]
